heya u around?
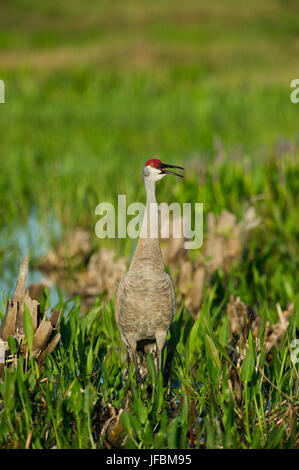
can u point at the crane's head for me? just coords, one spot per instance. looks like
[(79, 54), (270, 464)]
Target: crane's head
[(155, 170)]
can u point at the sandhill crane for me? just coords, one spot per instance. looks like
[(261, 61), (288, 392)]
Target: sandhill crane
[(145, 299)]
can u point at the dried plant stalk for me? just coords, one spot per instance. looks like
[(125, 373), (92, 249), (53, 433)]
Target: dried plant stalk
[(45, 336), (243, 319), (8, 326)]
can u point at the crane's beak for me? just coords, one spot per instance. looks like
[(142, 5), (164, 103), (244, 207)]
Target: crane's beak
[(164, 166)]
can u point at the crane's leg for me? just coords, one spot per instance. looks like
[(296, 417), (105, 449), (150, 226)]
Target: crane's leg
[(133, 353), (127, 370), (138, 376), (160, 339)]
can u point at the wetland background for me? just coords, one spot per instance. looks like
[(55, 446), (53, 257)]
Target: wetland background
[(92, 90)]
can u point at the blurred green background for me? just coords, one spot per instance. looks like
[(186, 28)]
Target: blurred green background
[(95, 88)]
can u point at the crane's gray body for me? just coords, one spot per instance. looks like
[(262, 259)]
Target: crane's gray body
[(145, 299)]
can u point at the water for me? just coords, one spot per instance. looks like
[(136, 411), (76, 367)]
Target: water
[(33, 239)]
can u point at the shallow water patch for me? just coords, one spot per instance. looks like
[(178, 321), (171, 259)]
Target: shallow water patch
[(32, 239)]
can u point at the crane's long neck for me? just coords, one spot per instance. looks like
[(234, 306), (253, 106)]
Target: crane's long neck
[(150, 224), (148, 251)]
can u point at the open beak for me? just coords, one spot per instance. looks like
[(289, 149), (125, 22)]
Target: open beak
[(164, 166)]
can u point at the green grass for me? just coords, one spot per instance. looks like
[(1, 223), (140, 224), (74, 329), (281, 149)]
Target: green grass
[(91, 93), (63, 404)]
